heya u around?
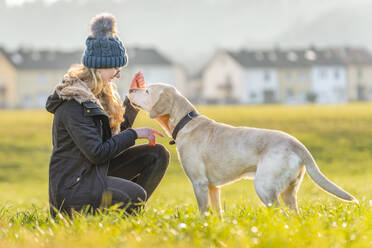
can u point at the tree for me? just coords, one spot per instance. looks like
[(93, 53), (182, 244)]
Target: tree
[(311, 97)]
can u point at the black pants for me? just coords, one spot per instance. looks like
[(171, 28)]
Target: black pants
[(134, 175)]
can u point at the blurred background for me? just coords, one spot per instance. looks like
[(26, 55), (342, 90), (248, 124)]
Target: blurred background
[(213, 51)]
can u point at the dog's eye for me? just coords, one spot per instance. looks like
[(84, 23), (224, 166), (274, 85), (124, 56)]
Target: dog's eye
[(147, 91)]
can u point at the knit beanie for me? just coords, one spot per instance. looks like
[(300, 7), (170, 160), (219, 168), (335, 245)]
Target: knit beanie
[(104, 49)]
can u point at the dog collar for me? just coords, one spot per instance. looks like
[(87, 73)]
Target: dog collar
[(181, 124)]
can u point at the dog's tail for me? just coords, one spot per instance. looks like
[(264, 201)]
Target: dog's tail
[(320, 179)]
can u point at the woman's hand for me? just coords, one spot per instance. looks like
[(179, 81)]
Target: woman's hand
[(138, 81), (148, 133)]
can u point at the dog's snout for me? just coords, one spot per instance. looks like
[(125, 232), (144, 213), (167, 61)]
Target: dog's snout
[(132, 90)]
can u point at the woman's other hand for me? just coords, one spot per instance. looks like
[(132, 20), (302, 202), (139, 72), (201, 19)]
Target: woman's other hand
[(148, 133), (138, 81)]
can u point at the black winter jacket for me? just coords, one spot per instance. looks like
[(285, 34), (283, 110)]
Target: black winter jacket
[(82, 149)]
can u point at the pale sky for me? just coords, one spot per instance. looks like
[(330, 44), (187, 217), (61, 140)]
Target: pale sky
[(19, 2)]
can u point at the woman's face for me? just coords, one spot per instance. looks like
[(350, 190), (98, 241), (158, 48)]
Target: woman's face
[(108, 74)]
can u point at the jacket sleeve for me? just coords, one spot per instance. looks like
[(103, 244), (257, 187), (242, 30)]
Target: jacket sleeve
[(129, 115), (86, 135)]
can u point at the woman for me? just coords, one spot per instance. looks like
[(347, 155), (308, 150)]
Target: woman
[(93, 162)]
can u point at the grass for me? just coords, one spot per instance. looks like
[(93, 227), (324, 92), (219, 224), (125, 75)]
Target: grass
[(338, 137)]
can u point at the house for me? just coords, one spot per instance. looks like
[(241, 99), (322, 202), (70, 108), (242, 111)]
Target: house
[(194, 90), (291, 76), (312, 75), (294, 78), (8, 82), (36, 74), (329, 76), (241, 77), (29, 76), (358, 62)]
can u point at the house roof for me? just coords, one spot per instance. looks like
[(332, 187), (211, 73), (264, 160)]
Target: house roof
[(31, 59), (302, 57), (146, 56)]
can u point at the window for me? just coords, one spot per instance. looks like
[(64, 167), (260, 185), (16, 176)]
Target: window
[(289, 93), (337, 74), (323, 74), (266, 76), (2, 91), (359, 73)]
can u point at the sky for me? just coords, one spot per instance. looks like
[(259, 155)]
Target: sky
[(20, 2)]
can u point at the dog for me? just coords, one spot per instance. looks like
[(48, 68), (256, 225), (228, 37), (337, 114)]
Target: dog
[(214, 154)]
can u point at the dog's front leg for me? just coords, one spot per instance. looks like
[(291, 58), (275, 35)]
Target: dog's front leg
[(201, 194)]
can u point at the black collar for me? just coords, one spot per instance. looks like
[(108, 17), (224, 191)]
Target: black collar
[(181, 124)]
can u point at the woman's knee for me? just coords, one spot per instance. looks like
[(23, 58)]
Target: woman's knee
[(141, 195), (163, 155), (137, 201), (125, 191)]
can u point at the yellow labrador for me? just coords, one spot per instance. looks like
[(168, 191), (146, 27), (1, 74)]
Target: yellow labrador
[(214, 154)]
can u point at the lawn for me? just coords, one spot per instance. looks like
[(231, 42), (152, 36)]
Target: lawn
[(339, 138)]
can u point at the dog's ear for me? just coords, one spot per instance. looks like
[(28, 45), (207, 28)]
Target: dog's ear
[(162, 105)]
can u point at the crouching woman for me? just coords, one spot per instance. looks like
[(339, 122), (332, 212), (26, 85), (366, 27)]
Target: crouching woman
[(93, 142)]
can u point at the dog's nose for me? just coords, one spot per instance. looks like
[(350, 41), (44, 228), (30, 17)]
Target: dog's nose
[(132, 90)]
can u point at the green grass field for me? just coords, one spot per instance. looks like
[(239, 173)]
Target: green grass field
[(339, 137)]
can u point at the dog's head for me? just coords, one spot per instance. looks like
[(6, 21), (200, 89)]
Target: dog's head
[(156, 99), (163, 102)]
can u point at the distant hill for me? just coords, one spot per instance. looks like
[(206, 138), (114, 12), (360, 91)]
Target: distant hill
[(347, 25)]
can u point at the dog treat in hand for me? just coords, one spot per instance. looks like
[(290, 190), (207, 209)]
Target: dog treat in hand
[(149, 134)]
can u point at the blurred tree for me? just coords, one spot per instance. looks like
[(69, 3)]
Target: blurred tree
[(311, 97)]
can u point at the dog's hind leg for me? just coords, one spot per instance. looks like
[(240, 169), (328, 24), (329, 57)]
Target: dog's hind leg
[(267, 192), (215, 198), (201, 194), (268, 181), (289, 195)]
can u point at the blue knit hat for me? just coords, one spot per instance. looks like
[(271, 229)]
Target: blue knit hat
[(104, 49)]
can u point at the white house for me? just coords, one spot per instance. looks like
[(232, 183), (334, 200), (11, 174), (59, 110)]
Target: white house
[(329, 83), (240, 77), (328, 76)]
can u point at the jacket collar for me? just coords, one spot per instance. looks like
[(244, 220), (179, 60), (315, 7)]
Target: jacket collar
[(74, 88)]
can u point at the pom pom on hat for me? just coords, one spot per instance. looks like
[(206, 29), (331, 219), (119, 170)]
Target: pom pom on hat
[(103, 26), (104, 49)]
